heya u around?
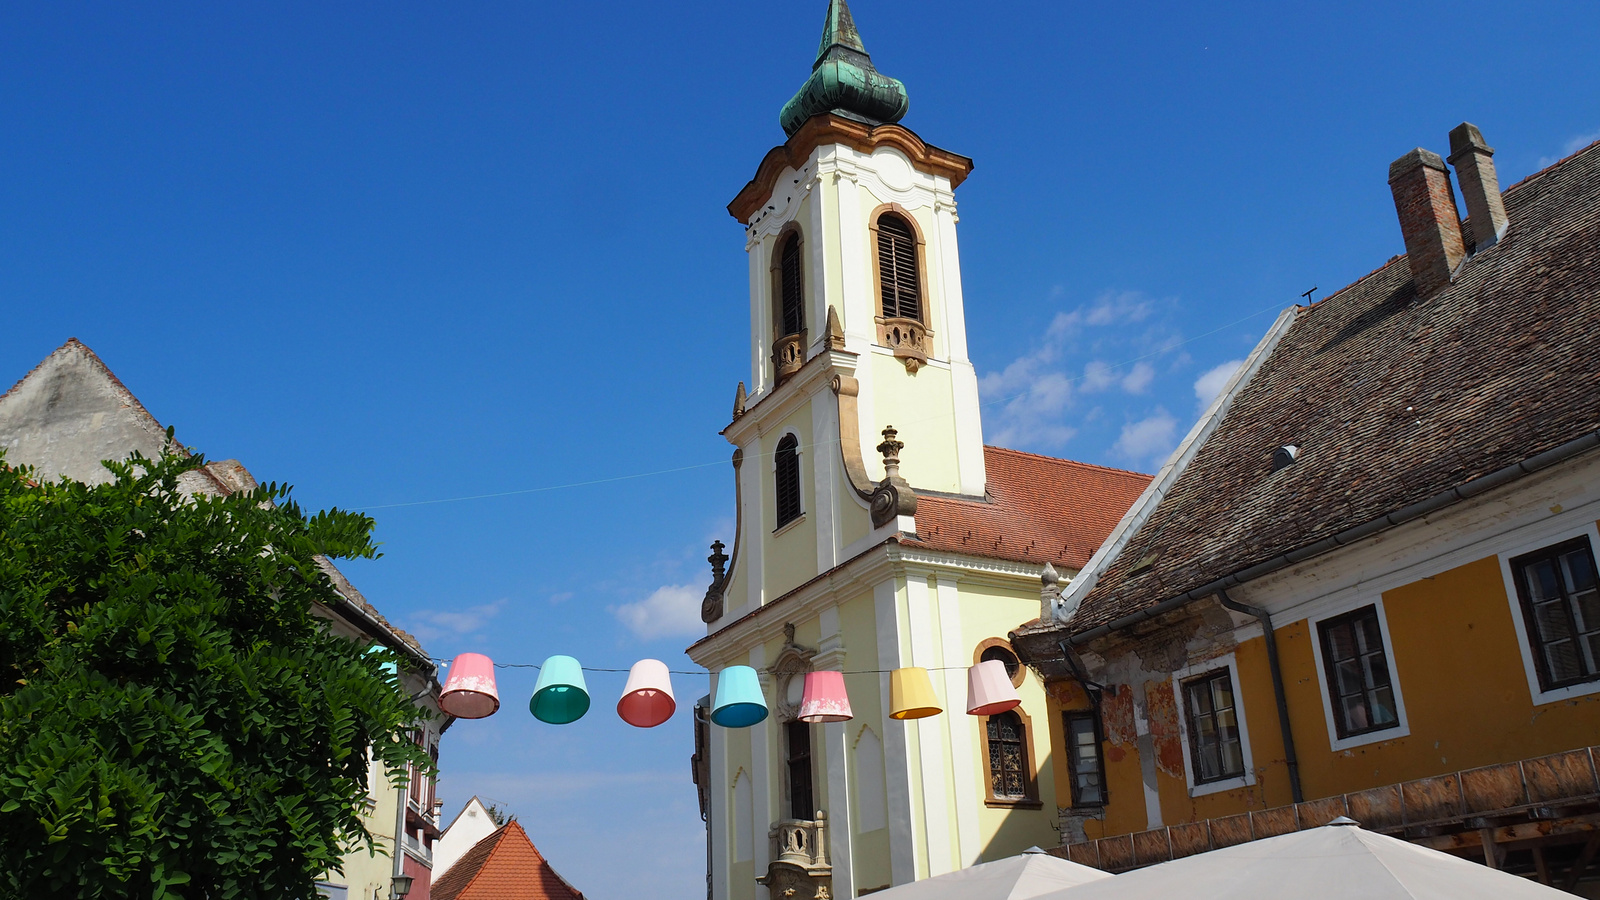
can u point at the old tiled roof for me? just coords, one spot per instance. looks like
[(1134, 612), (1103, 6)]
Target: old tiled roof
[(503, 866), (1391, 399), (1039, 509)]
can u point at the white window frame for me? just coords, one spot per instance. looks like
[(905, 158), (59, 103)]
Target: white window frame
[(1540, 696), (1399, 730), (800, 479), (1225, 661)]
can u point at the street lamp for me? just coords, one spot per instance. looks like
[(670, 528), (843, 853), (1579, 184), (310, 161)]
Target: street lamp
[(401, 886)]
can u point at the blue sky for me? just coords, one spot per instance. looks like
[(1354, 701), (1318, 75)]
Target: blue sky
[(400, 252)]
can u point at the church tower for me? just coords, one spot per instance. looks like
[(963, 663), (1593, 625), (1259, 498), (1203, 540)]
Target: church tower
[(875, 531)]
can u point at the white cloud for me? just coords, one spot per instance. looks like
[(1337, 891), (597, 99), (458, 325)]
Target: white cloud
[(431, 625), (1573, 145), (1148, 440), (1213, 380), (671, 611), (1112, 308), (1138, 378)]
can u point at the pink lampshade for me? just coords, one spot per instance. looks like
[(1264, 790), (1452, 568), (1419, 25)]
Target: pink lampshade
[(824, 699), (989, 689), (469, 692), (647, 700)]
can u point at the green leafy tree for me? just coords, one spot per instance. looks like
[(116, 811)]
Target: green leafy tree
[(175, 722)]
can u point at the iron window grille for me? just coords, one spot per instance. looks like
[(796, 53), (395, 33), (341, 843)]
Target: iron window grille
[(1561, 605), (787, 476), (1357, 670), (1214, 740), (1008, 758), (1084, 760)]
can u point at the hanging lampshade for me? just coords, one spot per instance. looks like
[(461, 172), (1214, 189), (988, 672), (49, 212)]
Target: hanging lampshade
[(647, 700), (740, 703), (911, 694), (560, 696), (989, 689), (824, 699), (469, 692)]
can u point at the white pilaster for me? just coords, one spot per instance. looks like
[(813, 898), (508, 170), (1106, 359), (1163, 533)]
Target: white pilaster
[(963, 378), (835, 756), (963, 761), (760, 328), (751, 473), (896, 755), (761, 778), (721, 817), (932, 732), (825, 501), (859, 301)]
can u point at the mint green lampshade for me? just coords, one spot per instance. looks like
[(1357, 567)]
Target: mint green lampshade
[(739, 700), (560, 696)]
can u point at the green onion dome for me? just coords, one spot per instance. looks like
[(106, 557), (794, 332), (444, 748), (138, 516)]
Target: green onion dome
[(843, 80)]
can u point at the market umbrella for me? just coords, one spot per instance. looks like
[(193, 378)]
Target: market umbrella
[(1338, 861), (1021, 877)]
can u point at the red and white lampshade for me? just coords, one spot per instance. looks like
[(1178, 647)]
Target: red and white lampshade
[(989, 689), (469, 692), (647, 700), (824, 699)]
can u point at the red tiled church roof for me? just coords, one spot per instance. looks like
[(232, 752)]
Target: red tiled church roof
[(1039, 509), (503, 866)]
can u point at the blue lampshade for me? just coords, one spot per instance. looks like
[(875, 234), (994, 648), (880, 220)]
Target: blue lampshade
[(560, 696), (739, 700)]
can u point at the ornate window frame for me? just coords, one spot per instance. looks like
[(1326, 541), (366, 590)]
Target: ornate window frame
[(1018, 674), (1030, 766), (788, 350), (910, 339)]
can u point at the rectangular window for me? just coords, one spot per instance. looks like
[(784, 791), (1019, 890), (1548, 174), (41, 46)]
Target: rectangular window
[(1357, 671), (1083, 758), (1214, 739), (801, 804), (1561, 604)]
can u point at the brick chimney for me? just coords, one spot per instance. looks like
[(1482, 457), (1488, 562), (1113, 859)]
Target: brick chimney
[(1428, 218), (1474, 162)]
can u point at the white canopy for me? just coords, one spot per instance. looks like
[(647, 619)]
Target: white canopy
[(1020, 877), (1334, 862)]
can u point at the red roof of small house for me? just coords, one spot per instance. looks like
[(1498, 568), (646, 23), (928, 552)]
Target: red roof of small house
[(1039, 509), (503, 866)]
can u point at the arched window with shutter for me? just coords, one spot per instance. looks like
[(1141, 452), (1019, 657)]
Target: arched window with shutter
[(902, 306), (787, 476), (792, 319), (899, 283), (788, 304)]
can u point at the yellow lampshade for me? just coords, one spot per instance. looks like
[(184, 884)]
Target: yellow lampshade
[(911, 694)]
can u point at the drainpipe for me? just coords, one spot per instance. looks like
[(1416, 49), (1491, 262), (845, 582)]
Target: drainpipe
[(1265, 619)]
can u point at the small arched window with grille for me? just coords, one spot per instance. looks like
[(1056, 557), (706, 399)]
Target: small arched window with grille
[(792, 319), (787, 469), (1010, 776), (898, 278)]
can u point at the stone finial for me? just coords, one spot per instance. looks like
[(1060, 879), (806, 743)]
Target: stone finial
[(893, 497), (1049, 576), (1049, 593), (835, 330), (739, 399), (890, 448), (711, 606)]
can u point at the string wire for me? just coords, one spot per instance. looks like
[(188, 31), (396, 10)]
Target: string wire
[(702, 672), (998, 401)]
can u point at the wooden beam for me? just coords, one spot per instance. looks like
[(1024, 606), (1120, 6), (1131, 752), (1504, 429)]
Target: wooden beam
[(1584, 858), (1540, 866), (1525, 831), (1492, 854)]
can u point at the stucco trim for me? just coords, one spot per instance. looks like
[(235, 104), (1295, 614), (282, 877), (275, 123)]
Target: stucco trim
[(1540, 696), (1204, 667), (1403, 727)]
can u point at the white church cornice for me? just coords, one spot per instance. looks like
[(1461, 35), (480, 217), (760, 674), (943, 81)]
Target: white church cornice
[(777, 404)]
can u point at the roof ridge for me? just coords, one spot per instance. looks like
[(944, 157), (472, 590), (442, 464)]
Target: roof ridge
[(1553, 166), (1070, 462)]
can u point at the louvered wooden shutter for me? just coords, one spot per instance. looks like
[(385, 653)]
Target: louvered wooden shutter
[(793, 303), (897, 268), (788, 480)]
